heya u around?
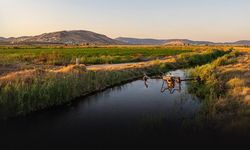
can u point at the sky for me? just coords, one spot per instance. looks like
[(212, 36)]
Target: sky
[(211, 20)]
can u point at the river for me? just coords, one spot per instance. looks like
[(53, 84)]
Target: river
[(129, 112)]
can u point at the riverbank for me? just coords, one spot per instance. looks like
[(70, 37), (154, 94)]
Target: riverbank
[(226, 94), (36, 89)]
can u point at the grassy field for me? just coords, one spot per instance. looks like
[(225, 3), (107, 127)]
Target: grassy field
[(98, 55), (30, 90), (22, 58), (226, 93)]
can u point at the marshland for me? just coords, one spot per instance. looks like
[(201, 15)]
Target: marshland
[(95, 74), (38, 86), (105, 97)]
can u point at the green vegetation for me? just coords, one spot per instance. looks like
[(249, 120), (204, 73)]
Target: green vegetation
[(193, 59), (212, 84), (98, 55), (38, 89), (225, 92)]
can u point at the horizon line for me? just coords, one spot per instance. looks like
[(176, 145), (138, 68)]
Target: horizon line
[(141, 38)]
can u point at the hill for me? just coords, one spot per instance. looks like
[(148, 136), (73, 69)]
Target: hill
[(64, 37), (137, 41)]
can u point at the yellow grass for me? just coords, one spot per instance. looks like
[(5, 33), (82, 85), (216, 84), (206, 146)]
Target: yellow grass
[(71, 68), (24, 75), (131, 65), (237, 76)]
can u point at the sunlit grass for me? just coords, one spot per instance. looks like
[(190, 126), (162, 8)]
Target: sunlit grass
[(26, 91), (226, 90)]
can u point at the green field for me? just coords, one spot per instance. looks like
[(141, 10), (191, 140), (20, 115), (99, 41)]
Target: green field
[(101, 55)]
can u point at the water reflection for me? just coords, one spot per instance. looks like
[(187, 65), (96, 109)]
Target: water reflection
[(172, 82), (145, 79), (115, 113)]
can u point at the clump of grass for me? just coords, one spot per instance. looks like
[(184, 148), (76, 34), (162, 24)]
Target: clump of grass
[(235, 82)]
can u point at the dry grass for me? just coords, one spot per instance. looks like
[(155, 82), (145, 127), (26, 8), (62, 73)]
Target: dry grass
[(71, 68), (117, 67), (227, 98), (21, 75), (29, 73), (238, 76)]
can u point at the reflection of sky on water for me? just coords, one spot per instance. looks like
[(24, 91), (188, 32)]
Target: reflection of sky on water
[(126, 110)]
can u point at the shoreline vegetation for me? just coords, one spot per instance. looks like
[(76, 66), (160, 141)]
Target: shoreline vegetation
[(225, 92), (36, 89)]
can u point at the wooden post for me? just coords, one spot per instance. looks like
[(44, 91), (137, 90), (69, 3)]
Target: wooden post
[(77, 61)]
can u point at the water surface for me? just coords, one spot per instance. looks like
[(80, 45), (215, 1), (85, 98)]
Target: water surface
[(129, 112)]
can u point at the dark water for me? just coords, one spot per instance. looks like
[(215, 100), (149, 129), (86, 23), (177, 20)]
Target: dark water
[(126, 114)]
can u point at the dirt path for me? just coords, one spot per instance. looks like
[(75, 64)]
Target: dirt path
[(129, 65), (10, 71)]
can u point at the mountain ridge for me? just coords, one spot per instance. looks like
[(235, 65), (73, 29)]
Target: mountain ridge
[(139, 41), (82, 37)]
